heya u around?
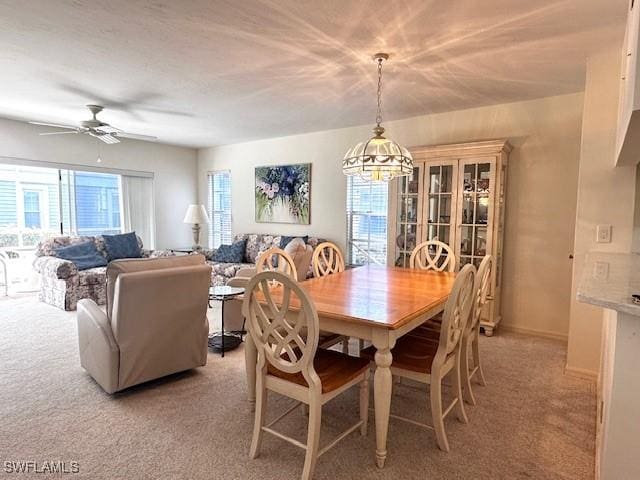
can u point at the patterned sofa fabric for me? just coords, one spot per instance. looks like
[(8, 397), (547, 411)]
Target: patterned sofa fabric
[(256, 244), (55, 267), (62, 285), (221, 272)]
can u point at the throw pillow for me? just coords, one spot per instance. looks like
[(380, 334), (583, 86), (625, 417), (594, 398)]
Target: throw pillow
[(284, 240), (124, 245), (233, 253), (296, 249), (82, 255)]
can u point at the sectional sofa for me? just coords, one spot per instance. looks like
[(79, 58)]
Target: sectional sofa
[(256, 244)]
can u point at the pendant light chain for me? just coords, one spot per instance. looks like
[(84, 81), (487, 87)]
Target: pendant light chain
[(379, 112)]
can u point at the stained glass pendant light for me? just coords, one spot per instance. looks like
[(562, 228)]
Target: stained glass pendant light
[(379, 158)]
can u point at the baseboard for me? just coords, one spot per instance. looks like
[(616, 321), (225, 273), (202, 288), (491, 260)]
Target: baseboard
[(535, 333), (581, 373)]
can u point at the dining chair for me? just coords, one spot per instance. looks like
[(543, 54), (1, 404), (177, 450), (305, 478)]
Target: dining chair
[(290, 363), (425, 361), (470, 348), (433, 255), (327, 259), (276, 259), (471, 338)]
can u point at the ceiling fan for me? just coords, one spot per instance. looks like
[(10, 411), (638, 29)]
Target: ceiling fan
[(96, 128)]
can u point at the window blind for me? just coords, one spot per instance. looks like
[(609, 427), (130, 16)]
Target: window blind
[(219, 204), (367, 204)]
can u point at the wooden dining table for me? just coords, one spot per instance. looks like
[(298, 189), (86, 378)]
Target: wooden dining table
[(375, 303)]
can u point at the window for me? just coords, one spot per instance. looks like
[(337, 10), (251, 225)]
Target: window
[(32, 217), (97, 203), (219, 203), (366, 221)]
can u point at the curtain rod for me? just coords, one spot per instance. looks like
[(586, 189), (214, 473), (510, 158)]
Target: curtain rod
[(73, 166)]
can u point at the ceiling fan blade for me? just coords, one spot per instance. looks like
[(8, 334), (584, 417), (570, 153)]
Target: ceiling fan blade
[(58, 133), (135, 136), (109, 129), (53, 125), (106, 138)]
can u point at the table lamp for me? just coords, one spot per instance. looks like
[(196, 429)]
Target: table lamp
[(196, 214)]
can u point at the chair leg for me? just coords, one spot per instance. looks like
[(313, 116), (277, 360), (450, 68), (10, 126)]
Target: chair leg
[(436, 412), (345, 346), (313, 437), (476, 358), (457, 386), (364, 404), (261, 407), (467, 391)]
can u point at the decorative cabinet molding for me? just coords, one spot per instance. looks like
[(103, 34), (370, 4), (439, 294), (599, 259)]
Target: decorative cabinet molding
[(628, 132), (455, 195)]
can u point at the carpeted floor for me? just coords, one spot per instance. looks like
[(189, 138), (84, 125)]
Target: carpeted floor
[(531, 422)]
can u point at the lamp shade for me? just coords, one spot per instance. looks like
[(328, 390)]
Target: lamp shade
[(196, 214)]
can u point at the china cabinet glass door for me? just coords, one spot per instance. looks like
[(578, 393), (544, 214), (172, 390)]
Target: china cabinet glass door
[(441, 201), (476, 184), (409, 215)]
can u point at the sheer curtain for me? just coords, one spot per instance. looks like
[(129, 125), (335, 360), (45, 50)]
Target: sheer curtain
[(138, 212)]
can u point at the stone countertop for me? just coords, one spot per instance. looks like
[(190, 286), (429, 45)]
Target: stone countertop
[(609, 279)]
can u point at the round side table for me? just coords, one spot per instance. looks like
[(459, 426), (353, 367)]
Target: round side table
[(224, 341)]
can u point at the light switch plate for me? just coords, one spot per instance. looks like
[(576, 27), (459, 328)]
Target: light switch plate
[(603, 234)]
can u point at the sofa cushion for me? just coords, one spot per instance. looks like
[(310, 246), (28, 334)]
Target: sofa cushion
[(228, 270), (233, 253), (120, 246), (83, 255), (46, 248), (93, 276), (258, 243)]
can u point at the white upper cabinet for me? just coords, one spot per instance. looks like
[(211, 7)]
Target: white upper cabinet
[(628, 134)]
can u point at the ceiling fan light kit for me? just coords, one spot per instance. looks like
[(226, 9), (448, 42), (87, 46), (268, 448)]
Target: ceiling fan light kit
[(379, 158), (96, 128)]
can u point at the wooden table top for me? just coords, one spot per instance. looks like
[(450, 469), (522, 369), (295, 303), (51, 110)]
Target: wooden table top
[(388, 297)]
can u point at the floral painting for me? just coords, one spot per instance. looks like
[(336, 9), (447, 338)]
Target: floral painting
[(282, 194)]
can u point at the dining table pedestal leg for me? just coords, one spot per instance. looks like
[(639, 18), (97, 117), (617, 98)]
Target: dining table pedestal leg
[(382, 396), (251, 360)]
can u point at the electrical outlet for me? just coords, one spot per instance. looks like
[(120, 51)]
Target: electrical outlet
[(601, 270), (603, 234)]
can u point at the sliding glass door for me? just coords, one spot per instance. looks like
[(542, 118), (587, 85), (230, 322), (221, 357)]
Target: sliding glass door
[(29, 205), (39, 202), (91, 203)]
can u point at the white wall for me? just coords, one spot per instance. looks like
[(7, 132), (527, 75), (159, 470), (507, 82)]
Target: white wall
[(174, 168), (541, 192), (605, 196)]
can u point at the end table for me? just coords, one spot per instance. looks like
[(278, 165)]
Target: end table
[(224, 341)]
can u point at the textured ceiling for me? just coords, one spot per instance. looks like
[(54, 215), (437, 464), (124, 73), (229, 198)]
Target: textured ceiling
[(205, 72)]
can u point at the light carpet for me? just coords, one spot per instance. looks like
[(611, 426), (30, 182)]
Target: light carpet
[(532, 422)]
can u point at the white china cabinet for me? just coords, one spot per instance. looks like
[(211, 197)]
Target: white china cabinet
[(455, 195)]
